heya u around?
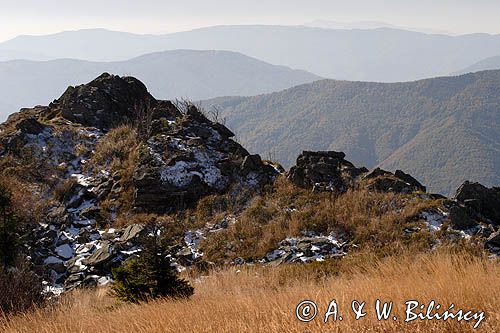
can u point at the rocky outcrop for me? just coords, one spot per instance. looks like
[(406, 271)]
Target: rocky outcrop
[(181, 157), (104, 103), (329, 171), (324, 171), (190, 157), (308, 248), (482, 200), (399, 182)]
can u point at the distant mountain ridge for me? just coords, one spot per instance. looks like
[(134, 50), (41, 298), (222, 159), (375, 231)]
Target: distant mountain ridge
[(382, 55), (491, 63), (443, 130), (198, 75), (369, 25)]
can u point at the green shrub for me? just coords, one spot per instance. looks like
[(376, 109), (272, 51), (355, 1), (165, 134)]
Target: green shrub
[(8, 229), (149, 276)]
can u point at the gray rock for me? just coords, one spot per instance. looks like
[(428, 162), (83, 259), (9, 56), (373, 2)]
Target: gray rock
[(131, 232), (410, 180), (101, 257), (239, 261), (460, 219), (73, 281), (484, 201), (64, 251), (251, 163), (494, 241)]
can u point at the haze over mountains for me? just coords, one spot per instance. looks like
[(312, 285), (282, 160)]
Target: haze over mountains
[(327, 24), (442, 130), (384, 55), (169, 75), (483, 65)]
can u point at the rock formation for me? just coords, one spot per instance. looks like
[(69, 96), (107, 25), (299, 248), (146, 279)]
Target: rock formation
[(484, 201), (182, 156), (329, 171)]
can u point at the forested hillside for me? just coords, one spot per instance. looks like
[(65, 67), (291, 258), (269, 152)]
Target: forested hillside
[(442, 130)]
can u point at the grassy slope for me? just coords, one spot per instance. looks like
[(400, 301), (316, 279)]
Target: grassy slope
[(442, 130), (264, 300)]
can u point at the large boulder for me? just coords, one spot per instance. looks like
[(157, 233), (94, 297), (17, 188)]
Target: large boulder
[(106, 102), (384, 181), (324, 171), (484, 201)]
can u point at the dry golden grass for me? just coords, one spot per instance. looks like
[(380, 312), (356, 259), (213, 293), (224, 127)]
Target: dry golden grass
[(263, 299), (374, 221)]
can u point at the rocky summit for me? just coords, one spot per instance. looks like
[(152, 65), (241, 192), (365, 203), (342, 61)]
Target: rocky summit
[(177, 156)]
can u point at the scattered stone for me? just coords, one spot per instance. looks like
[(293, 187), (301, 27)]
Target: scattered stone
[(493, 243), (102, 256), (131, 232), (306, 249), (64, 251)]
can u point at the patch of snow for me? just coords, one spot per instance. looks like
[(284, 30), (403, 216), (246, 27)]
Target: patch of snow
[(131, 252), (275, 254), (177, 175), (104, 280), (55, 290), (81, 179), (433, 220)]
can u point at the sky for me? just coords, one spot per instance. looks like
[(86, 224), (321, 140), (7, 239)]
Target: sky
[(36, 17)]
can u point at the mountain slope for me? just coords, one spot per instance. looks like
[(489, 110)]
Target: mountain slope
[(483, 65), (385, 55), (198, 75), (443, 130)]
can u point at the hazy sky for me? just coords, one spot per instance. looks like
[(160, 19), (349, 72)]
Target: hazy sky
[(160, 16)]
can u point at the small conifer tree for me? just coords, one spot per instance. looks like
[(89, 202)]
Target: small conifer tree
[(150, 275)]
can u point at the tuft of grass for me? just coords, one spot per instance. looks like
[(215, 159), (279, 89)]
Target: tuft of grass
[(117, 153), (114, 148)]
